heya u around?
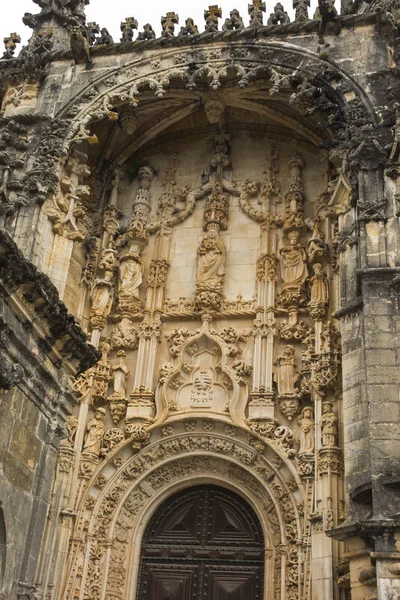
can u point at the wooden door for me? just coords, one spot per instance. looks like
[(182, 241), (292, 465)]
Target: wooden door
[(204, 543)]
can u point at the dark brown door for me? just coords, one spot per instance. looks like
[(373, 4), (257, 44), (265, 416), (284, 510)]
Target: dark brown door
[(204, 543)]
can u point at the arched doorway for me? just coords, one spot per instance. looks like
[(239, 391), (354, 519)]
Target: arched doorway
[(202, 543)]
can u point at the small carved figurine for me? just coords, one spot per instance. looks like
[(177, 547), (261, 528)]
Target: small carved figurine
[(279, 16), (306, 434), (286, 374), (234, 23), (105, 38), (96, 430), (329, 426), (80, 47), (189, 29), (148, 33)]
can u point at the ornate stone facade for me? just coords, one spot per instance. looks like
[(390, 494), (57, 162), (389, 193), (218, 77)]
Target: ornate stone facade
[(218, 211)]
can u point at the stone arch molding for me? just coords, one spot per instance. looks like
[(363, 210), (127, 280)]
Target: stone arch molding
[(247, 61), (119, 497)]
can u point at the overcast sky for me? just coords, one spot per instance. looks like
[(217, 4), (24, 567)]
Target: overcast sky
[(110, 13)]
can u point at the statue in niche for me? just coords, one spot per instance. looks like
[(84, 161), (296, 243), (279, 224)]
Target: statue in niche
[(71, 426), (120, 372), (211, 259), (317, 246), (130, 280), (319, 292), (286, 374), (202, 393), (329, 426), (293, 261), (306, 434), (102, 298), (96, 430)]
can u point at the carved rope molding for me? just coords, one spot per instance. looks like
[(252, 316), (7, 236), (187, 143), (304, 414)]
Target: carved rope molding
[(156, 74)]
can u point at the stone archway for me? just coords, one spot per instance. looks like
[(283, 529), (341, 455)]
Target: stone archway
[(203, 540)]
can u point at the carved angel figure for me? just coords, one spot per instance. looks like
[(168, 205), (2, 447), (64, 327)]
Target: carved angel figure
[(286, 373), (306, 434), (293, 261), (211, 259), (329, 426), (96, 430)]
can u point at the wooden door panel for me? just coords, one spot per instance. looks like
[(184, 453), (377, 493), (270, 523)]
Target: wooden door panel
[(169, 582), (232, 583), (204, 543)]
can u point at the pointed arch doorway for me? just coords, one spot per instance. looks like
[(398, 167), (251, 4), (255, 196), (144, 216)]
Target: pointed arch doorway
[(203, 543)]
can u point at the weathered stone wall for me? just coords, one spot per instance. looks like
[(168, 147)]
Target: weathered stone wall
[(35, 401)]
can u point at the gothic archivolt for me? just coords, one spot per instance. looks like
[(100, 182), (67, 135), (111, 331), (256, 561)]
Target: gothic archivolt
[(115, 501)]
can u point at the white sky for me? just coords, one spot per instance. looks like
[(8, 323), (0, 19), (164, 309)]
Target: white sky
[(110, 13)]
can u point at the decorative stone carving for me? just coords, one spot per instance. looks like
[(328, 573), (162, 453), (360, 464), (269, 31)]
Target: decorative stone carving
[(117, 401), (189, 29), (148, 33), (256, 10), (294, 271), (105, 38), (138, 225), (130, 280), (210, 271), (202, 394), (306, 437), (102, 295), (317, 247), (176, 339), (124, 336), (286, 374), (242, 371), (214, 108), (96, 430), (279, 16), (112, 438), (329, 427), (234, 23), (127, 27), (168, 24), (10, 44), (67, 208), (71, 426), (319, 293), (211, 259), (211, 17), (127, 119), (79, 44), (301, 10), (266, 268)]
